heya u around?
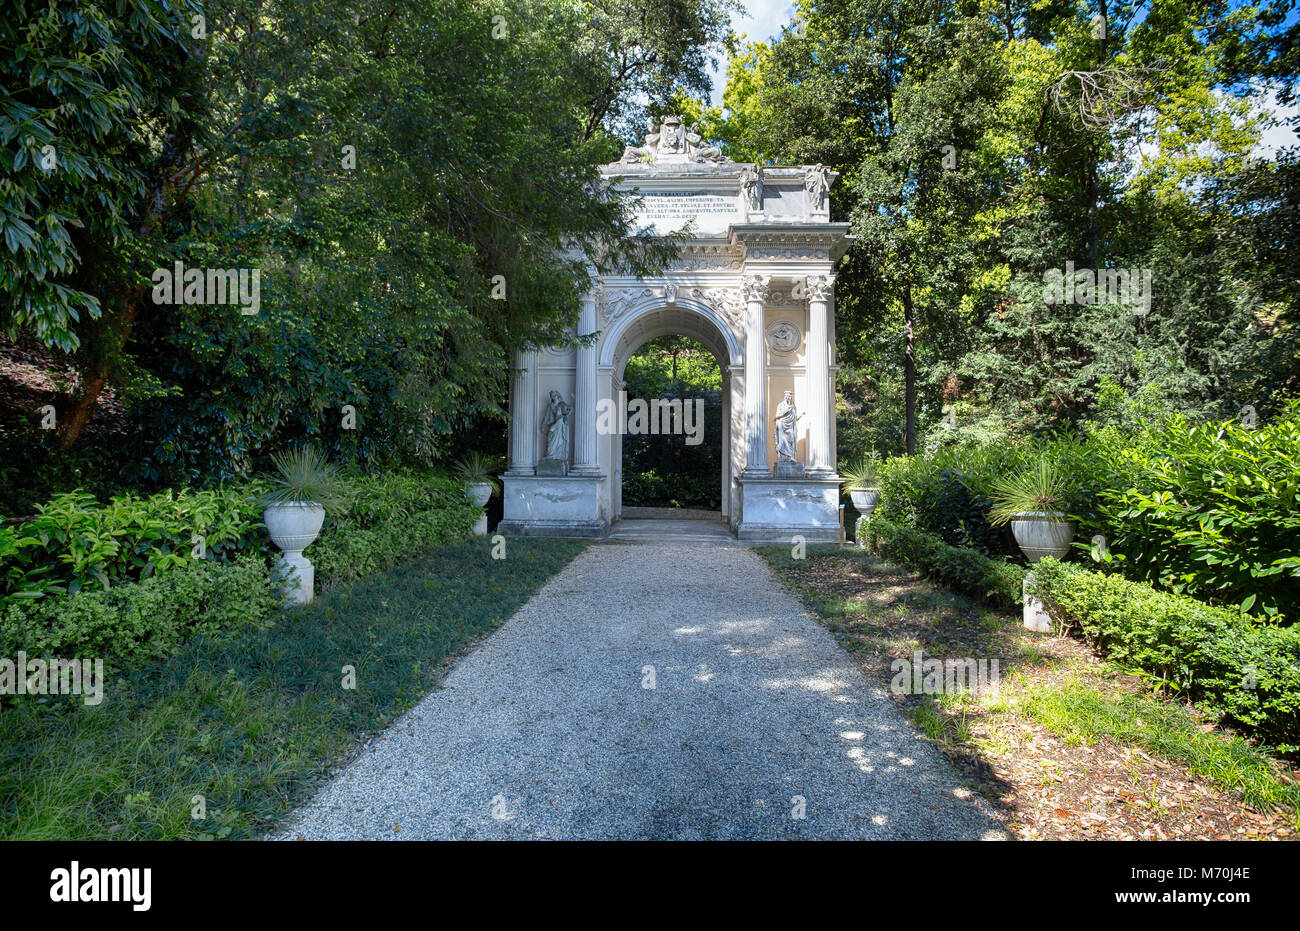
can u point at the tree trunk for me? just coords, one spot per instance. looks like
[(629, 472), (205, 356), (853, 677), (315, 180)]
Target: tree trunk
[(909, 372), (103, 354)]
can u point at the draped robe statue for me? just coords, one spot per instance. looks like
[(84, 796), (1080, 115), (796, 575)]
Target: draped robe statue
[(787, 423), (555, 423)]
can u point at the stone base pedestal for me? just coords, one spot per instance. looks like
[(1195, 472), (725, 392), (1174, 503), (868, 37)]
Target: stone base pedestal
[(784, 469), (552, 468), (298, 576), (1036, 616), (480, 526), (553, 506), (773, 510)]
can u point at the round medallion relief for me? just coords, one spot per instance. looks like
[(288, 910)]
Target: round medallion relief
[(783, 337)]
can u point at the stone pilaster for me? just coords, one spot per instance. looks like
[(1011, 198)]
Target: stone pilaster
[(819, 375), (523, 415), (585, 458), (755, 288)]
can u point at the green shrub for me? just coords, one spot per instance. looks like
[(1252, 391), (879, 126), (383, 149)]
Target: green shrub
[(391, 518), (1211, 511), (966, 570), (143, 619), (950, 493), (74, 541), (1238, 667)]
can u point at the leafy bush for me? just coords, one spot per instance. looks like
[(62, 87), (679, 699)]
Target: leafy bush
[(966, 570), (74, 541), (682, 490), (949, 494), (391, 517), (1211, 510), (149, 618), (1240, 668)]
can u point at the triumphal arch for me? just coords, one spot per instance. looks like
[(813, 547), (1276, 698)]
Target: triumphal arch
[(755, 285)]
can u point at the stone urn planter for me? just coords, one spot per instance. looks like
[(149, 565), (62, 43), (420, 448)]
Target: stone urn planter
[(478, 493), (304, 486), (293, 526), (1042, 533), (475, 470), (1039, 534), (864, 499)]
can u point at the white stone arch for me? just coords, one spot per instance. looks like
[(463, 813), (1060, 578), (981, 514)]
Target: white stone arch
[(653, 317)]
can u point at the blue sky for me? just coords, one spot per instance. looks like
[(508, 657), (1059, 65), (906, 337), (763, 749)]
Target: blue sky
[(760, 20)]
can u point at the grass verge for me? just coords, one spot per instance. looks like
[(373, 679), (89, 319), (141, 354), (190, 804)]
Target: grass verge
[(245, 730), (1068, 746)]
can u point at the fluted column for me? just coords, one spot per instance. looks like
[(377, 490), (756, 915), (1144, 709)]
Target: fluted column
[(585, 394), (523, 414), (819, 373), (756, 288)]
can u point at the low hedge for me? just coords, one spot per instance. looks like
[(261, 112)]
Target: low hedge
[(143, 619), (390, 518), (1237, 667), (354, 554), (966, 570), (87, 554)]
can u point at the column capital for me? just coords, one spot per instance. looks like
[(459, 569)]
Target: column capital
[(756, 287), (820, 287)]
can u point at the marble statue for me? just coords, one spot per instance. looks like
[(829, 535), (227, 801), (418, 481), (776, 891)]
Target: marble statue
[(817, 182), (673, 142), (751, 187), (698, 150), (555, 423), (787, 422)]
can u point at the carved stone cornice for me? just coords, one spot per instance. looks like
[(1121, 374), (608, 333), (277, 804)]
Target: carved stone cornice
[(703, 256), (822, 243)]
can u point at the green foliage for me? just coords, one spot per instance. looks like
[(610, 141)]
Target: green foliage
[(1043, 485), (666, 471), (865, 473), (1238, 667), (85, 83), (304, 477), (146, 619), (475, 468), (971, 163), (391, 518), (949, 493), (1211, 510), (991, 580), (74, 541), (255, 722), (399, 274)]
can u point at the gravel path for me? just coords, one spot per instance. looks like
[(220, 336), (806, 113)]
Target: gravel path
[(546, 730)]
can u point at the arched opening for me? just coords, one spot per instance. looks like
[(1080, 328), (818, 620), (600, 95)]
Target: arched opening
[(708, 333), (673, 444)]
